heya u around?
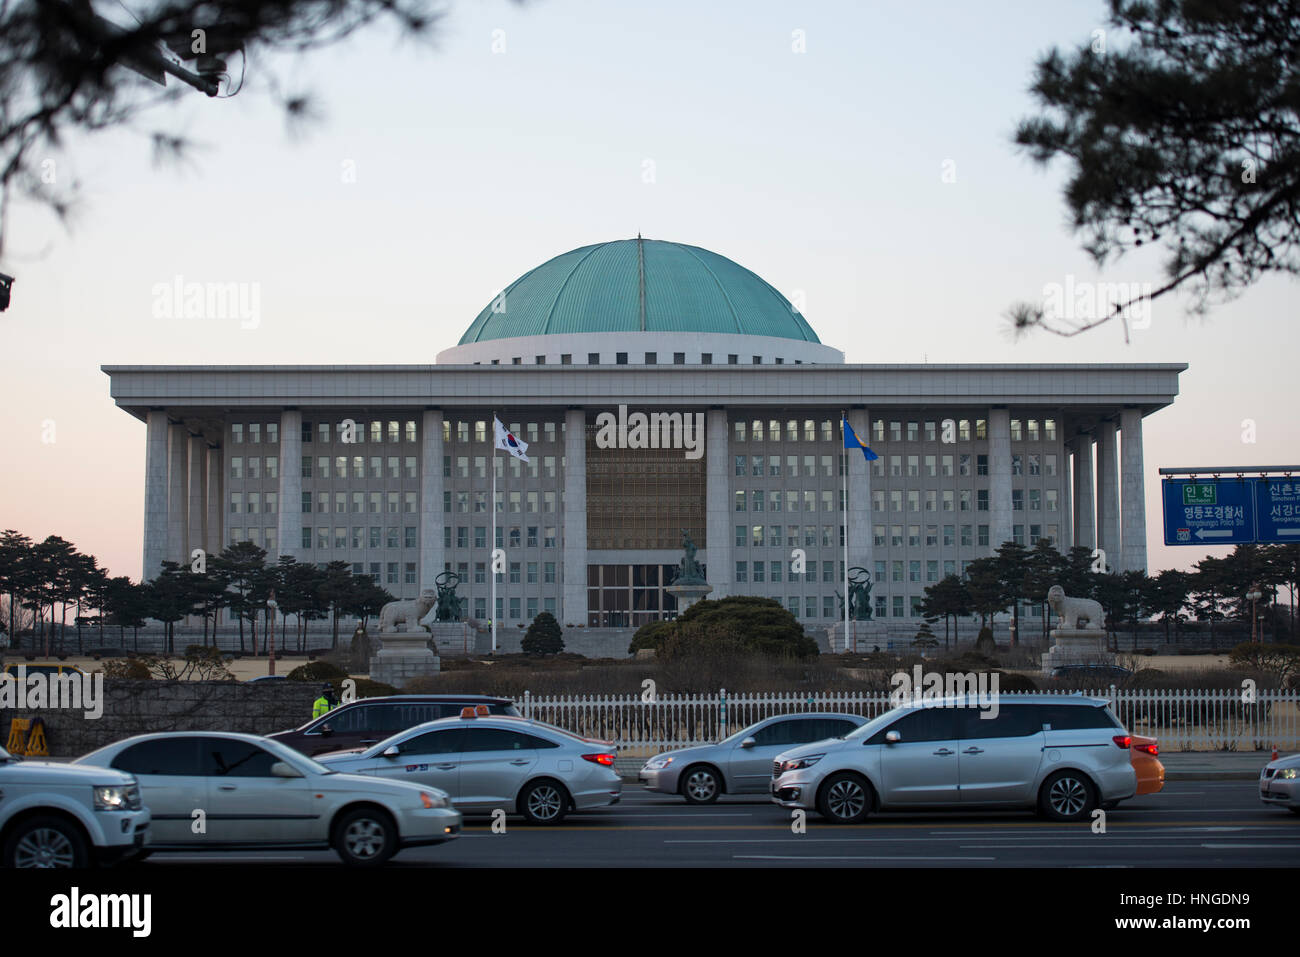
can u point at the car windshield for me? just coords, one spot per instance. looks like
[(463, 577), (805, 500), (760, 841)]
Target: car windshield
[(872, 726), (295, 759), (5, 756), (742, 734)]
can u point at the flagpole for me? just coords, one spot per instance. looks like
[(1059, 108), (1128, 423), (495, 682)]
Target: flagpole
[(492, 542), (844, 466)]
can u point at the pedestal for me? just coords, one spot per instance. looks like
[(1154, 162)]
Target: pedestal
[(404, 655), (453, 637), (1077, 646), (863, 637), (688, 593)]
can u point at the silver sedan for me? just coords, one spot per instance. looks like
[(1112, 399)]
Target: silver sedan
[(1279, 783), (495, 763), (741, 763), (216, 791)]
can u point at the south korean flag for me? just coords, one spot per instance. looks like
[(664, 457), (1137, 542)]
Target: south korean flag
[(507, 442)]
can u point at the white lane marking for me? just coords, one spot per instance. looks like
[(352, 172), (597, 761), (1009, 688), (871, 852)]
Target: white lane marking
[(876, 857), (219, 856), (706, 814)]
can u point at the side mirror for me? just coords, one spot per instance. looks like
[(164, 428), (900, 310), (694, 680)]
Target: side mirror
[(892, 737), (282, 770), (748, 743), (391, 751)]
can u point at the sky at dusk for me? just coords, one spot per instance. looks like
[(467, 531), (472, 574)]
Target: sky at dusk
[(437, 174)]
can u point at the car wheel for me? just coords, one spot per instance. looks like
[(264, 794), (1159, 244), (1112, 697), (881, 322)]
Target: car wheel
[(844, 799), (366, 837), (46, 842), (701, 785), (1067, 796), (544, 802)]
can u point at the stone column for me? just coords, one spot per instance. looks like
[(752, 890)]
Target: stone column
[(719, 514), (573, 607), (1108, 537), (999, 477), (155, 494), (215, 495), (1085, 514), (432, 553), (1133, 556), (861, 544), (196, 533), (290, 483), (177, 487), (1066, 541)]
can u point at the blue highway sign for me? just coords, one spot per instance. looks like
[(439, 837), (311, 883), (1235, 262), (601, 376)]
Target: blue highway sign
[(1277, 509), (1209, 511)]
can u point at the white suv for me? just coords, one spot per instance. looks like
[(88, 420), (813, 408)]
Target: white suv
[(1063, 755), (62, 815)]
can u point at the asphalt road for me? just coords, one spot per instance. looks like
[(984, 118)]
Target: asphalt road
[(1188, 824)]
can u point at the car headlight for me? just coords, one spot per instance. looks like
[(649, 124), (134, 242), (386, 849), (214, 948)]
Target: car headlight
[(111, 798), (797, 764), (1288, 773), (658, 764), (431, 801)]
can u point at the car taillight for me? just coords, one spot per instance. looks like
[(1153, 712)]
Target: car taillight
[(1150, 749), (604, 759), (1122, 741)]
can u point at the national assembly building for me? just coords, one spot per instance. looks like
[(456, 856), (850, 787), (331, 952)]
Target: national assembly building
[(659, 388)]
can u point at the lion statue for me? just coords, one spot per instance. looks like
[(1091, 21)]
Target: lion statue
[(1077, 613), (408, 612)]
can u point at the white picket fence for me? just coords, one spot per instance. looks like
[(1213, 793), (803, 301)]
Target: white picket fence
[(1180, 720)]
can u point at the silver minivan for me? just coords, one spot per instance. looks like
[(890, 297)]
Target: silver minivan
[(1061, 755)]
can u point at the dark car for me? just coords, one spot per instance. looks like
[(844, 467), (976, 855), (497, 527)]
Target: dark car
[(360, 724), (1110, 674)]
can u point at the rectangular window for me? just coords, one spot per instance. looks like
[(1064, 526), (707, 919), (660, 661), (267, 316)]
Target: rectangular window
[(983, 536), (1017, 500), (306, 537), (982, 500), (742, 572), (237, 467), (966, 535)]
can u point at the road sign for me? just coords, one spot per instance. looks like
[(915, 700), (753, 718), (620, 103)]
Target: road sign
[(1277, 510), (1209, 511)]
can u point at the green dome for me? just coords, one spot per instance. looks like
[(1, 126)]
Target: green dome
[(634, 285)]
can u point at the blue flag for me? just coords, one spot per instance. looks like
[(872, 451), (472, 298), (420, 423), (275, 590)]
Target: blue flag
[(851, 441)]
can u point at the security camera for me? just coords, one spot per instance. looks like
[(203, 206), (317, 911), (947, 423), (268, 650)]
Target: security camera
[(5, 283)]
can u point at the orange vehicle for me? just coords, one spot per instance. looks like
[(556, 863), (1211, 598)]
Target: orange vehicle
[(1151, 773), (1142, 752)]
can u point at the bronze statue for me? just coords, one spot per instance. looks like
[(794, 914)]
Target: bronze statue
[(688, 572), (859, 594), (449, 604)]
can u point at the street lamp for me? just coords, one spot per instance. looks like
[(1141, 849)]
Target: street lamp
[(1254, 595), (271, 604)]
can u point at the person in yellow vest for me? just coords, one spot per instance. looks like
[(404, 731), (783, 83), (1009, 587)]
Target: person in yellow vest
[(324, 703)]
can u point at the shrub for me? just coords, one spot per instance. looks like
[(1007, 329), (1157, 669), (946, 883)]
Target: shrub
[(365, 688), (759, 625), (317, 671), (649, 635), (544, 636), (1015, 682), (984, 644), (132, 668)]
